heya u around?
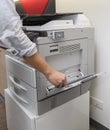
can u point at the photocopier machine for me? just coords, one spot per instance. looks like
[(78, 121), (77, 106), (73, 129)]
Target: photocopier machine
[(66, 42)]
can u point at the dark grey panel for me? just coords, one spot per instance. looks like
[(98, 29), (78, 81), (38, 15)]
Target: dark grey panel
[(57, 100), (20, 9), (51, 9), (85, 87)]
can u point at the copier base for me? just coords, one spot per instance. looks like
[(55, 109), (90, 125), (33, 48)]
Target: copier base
[(73, 115)]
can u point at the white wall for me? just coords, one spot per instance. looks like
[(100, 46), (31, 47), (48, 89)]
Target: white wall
[(98, 11)]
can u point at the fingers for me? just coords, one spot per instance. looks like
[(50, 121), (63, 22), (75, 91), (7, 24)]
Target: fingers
[(60, 85), (57, 78), (62, 82)]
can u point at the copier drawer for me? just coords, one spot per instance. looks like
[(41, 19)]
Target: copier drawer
[(21, 88), (21, 70), (18, 118)]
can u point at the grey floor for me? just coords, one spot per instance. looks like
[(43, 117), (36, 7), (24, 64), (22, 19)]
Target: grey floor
[(3, 118)]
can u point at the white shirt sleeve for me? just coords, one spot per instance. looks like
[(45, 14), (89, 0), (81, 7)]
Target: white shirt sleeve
[(11, 34)]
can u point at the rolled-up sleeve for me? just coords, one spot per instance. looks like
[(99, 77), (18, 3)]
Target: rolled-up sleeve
[(11, 33)]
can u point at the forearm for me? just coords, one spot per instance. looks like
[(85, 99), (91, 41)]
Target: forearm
[(56, 78), (39, 63)]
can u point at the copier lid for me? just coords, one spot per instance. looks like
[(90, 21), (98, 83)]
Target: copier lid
[(37, 12), (35, 7)]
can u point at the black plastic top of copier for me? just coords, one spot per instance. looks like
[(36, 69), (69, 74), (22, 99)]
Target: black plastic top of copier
[(38, 20)]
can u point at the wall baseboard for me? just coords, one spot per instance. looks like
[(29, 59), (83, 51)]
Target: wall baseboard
[(2, 98), (97, 125)]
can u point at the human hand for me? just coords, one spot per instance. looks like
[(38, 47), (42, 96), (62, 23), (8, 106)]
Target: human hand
[(57, 78)]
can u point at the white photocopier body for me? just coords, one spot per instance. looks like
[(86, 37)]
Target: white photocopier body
[(32, 103)]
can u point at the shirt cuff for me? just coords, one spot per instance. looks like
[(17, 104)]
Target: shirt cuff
[(28, 51)]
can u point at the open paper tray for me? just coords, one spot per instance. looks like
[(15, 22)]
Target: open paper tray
[(71, 85)]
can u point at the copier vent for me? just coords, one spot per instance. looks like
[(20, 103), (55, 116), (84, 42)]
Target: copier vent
[(69, 48)]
